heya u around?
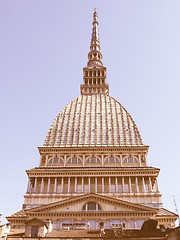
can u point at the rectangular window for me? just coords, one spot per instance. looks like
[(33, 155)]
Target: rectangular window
[(58, 224), (91, 224), (107, 224), (126, 187), (99, 185), (115, 221), (106, 185), (113, 185), (132, 224), (139, 223), (34, 231)]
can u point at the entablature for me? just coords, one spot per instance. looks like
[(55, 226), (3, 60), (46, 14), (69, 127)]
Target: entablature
[(89, 172), (115, 157), (67, 214), (97, 149)]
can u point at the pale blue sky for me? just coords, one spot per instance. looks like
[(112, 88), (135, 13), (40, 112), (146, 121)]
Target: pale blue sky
[(43, 48)]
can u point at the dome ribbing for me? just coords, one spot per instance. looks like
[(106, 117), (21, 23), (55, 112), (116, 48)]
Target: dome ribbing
[(93, 120)]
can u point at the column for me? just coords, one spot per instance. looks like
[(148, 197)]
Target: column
[(61, 224), (102, 184), (110, 223), (62, 184), (122, 184), (48, 187), (35, 185), (96, 185), (69, 181), (130, 188), (82, 185), (83, 159), (97, 223), (55, 185), (116, 180), (140, 159), (145, 158), (121, 160), (89, 185), (75, 188), (28, 186), (31, 188), (96, 207), (64, 160), (40, 160), (42, 185), (135, 224), (157, 188), (143, 185), (128, 223), (137, 186), (150, 184), (102, 160), (109, 184), (46, 160)]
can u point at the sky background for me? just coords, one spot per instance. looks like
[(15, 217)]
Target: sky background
[(43, 49)]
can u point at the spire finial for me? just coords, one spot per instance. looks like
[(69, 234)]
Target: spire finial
[(95, 55), (95, 15), (95, 73)]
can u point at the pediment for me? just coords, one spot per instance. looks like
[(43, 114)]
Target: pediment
[(107, 204)]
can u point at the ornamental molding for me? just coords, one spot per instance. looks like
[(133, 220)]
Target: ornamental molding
[(53, 172), (89, 149), (66, 215)]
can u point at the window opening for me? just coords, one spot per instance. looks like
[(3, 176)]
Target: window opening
[(91, 206), (74, 160), (34, 231), (111, 160), (55, 160), (130, 160), (93, 160)]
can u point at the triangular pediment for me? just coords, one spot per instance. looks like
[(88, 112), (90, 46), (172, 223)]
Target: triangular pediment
[(107, 204)]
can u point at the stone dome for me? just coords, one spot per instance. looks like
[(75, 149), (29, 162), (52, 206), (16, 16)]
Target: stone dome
[(93, 120)]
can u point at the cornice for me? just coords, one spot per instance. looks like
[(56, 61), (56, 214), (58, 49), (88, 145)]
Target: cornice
[(83, 171), (91, 214), (88, 148)]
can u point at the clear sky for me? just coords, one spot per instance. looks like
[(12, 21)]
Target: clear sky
[(43, 48)]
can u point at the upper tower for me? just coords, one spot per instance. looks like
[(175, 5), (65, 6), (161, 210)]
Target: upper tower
[(94, 75), (94, 118)]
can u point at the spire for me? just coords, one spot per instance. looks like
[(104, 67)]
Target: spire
[(95, 55), (95, 73)]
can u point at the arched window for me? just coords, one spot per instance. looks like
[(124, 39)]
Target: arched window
[(111, 160), (91, 206), (74, 160), (130, 160), (93, 160), (55, 160)]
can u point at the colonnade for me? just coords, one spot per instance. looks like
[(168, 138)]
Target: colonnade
[(130, 223), (69, 185)]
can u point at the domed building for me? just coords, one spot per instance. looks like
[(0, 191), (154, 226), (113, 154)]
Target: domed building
[(93, 165)]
